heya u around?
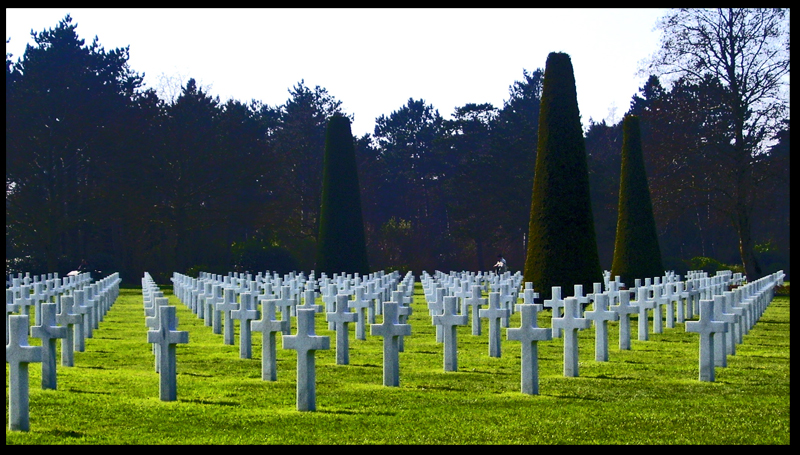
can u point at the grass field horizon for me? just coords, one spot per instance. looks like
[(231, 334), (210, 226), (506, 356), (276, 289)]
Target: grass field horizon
[(649, 394)]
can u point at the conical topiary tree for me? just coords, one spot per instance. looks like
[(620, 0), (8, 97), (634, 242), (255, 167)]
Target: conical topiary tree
[(341, 246), (562, 246), (636, 250)]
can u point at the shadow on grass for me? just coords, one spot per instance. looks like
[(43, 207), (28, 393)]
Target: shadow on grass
[(605, 376), (65, 433), (219, 403), (350, 412), (94, 392), (366, 365), (196, 374)]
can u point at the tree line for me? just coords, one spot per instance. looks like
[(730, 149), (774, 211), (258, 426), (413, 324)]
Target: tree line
[(98, 167)]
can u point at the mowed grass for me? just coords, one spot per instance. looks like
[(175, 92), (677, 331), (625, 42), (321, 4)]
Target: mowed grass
[(647, 395)]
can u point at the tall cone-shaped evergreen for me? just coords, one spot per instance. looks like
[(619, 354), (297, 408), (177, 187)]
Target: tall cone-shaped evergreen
[(636, 250), (562, 246), (341, 246)]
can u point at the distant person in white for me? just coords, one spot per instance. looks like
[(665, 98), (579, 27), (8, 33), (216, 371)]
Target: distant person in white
[(500, 267)]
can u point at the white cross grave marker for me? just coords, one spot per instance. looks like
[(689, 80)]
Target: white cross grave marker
[(18, 355), (268, 327), (341, 318), (359, 304), (722, 341), (495, 314), (306, 343), (571, 323), (72, 322), (529, 333), (286, 302), (449, 320), (391, 330), (167, 337), (244, 314), (475, 301), (48, 332), (601, 315), (707, 327), (555, 303), (82, 310), (624, 309), (644, 303), (11, 308), (226, 307)]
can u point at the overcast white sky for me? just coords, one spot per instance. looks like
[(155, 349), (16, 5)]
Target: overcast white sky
[(372, 60)]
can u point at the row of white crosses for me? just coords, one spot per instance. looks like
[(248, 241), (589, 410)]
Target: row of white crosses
[(26, 293), (54, 320), (340, 295), (214, 297), (727, 317), (614, 304), (162, 320)]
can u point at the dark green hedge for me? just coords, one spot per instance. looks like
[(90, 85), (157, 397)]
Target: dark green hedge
[(341, 245), (636, 250), (562, 246)]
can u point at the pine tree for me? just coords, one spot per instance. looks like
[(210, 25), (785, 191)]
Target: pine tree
[(562, 247), (636, 250), (341, 245)]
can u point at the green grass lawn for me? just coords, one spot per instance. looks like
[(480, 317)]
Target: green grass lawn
[(647, 395)]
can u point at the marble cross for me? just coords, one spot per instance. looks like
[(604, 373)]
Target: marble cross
[(583, 300), (341, 318), (659, 301), (306, 343), (571, 323), (404, 309), (730, 307), (601, 315), (268, 327), (475, 301), (11, 308), (48, 332), (644, 303), (286, 303), (391, 330), (436, 307), (707, 327), (310, 298), (329, 293), (723, 344), (245, 314), (359, 304), (449, 319), (24, 301), (680, 314), (225, 307), (18, 355), (495, 315), (72, 322), (555, 303), (624, 309), (167, 337), (529, 334), (80, 330)]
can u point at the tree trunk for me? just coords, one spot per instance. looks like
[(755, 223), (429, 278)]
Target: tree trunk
[(746, 246), (479, 253)]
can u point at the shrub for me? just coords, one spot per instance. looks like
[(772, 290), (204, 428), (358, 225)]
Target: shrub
[(341, 245), (636, 250), (562, 246)]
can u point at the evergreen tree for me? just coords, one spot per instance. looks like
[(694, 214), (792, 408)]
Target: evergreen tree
[(636, 250), (562, 248), (341, 246)]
